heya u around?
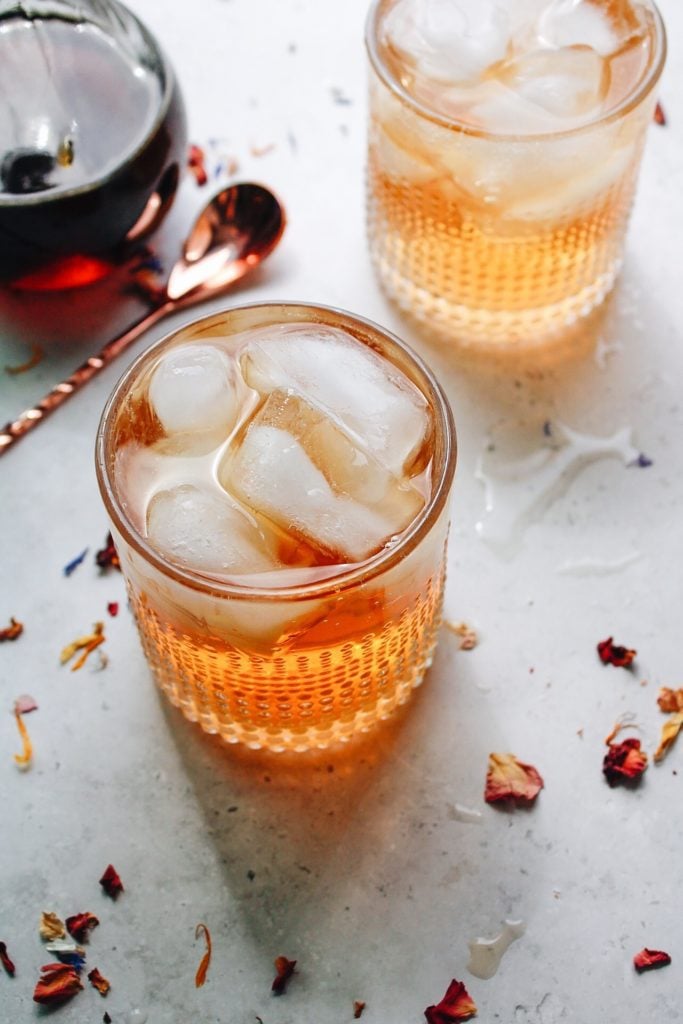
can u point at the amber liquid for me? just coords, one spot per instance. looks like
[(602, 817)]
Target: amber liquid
[(349, 665)]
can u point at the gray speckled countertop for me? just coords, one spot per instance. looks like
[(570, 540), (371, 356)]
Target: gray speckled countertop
[(364, 865)]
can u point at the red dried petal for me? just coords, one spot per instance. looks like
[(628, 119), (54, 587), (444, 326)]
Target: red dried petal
[(195, 161), (98, 981), (5, 960), (284, 970), (650, 960), (11, 632), (58, 982), (456, 1005), (113, 608), (660, 116), (613, 654), (200, 976), (358, 1008), (107, 557), (510, 779), (80, 924), (110, 882), (624, 762)]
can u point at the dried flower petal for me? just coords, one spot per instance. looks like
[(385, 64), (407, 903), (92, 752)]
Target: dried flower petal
[(68, 952), (670, 731), (5, 960), (98, 982), (75, 562), (113, 608), (456, 1005), (200, 976), (51, 927), (468, 636), (58, 982), (650, 959), (624, 762), (80, 924), (110, 881), (37, 354), (24, 759), (86, 644), (195, 161), (25, 703), (12, 631), (659, 115), (612, 654), (670, 700), (107, 557), (510, 779), (358, 1008), (106, 1019), (284, 969)]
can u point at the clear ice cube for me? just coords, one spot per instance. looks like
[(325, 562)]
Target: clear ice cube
[(581, 23), (369, 398), (571, 82), (196, 388), (296, 467), (205, 531)]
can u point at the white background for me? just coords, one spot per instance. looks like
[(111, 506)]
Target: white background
[(362, 870)]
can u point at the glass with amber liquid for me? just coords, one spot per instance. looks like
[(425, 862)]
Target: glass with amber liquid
[(504, 147), (277, 479)]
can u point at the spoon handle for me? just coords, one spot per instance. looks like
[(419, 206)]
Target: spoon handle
[(30, 418)]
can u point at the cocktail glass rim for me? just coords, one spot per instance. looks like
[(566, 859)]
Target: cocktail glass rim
[(444, 457), (168, 79), (632, 100)]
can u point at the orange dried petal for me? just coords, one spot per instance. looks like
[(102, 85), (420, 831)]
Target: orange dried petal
[(57, 983), (200, 976), (670, 731), (456, 1005), (98, 981)]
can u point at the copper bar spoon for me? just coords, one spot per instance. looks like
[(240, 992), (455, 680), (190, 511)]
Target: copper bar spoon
[(236, 230)]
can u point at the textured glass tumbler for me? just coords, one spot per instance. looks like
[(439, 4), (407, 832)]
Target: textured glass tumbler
[(492, 240), (307, 665)]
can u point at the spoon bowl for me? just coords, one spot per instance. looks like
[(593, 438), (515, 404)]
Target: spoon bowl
[(233, 234)]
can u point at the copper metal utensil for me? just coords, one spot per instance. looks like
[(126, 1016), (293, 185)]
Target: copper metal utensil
[(237, 229)]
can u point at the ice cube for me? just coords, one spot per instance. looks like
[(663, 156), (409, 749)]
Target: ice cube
[(204, 530), (448, 40), (371, 399), (569, 83), (196, 388), (580, 23), (299, 469)]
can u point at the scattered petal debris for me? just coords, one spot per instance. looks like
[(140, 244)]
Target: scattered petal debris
[(456, 1005), (200, 976), (107, 557), (670, 731), (23, 759), (5, 960), (51, 927), (195, 161), (284, 969), (642, 462), (613, 654), (79, 925), (58, 982), (25, 704), (358, 1007), (37, 355), (113, 608), (106, 1019), (659, 115), (468, 636), (67, 952), (508, 778), (259, 151), (670, 700), (624, 762), (650, 960), (98, 981), (11, 632), (75, 562), (110, 881), (87, 644)]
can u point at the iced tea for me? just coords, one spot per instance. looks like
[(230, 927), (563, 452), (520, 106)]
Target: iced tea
[(277, 479), (504, 147)]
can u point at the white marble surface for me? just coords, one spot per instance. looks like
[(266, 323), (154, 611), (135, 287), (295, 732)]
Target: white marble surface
[(362, 868)]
